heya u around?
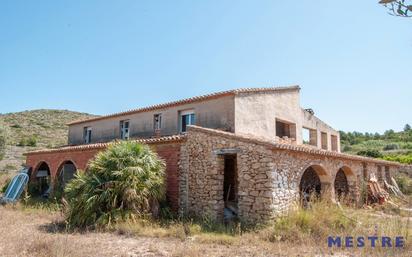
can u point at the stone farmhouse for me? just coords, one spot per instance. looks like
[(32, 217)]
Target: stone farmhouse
[(250, 151)]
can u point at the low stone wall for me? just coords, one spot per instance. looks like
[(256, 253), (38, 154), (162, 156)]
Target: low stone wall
[(268, 174)]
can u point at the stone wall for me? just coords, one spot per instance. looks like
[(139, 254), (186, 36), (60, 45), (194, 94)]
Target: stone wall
[(269, 174)]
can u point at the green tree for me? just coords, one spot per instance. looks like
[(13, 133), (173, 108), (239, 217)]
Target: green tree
[(407, 128), (402, 8), (121, 183)]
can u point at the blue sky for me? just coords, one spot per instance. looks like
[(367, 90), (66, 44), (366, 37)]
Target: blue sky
[(352, 59)]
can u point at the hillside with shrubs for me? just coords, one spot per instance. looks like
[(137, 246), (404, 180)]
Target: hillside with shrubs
[(41, 128), (391, 145), (30, 130)]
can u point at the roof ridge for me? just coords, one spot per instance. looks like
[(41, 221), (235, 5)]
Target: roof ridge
[(188, 100)]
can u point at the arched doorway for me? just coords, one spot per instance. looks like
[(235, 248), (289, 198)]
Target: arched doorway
[(313, 184), (66, 172), (342, 183), (42, 180)]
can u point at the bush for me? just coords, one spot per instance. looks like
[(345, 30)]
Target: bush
[(121, 183), (30, 141), (370, 153), (5, 185), (319, 221), (407, 159), (405, 183), (391, 147)]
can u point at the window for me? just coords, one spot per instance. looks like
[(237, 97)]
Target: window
[(157, 121), (324, 140), (87, 135), (124, 129), (334, 143), (285, 129), (187, 118), (310, 136)]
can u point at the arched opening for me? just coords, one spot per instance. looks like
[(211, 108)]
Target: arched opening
[(342, 183), (42, 180), (310, 185), (66, 172)]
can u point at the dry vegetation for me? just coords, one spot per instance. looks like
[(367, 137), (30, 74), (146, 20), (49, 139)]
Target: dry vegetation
[(39, 231), (47, 126), (31, 130)]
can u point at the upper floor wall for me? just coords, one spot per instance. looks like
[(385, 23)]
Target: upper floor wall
[(271, 113), (217, 113), (278, 116)]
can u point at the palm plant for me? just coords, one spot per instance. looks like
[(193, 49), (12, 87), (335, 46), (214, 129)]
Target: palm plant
[(120, 183)]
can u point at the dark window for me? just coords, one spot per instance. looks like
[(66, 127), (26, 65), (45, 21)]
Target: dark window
[(157, 121), (187, 118), (87, 135), (124, 129)]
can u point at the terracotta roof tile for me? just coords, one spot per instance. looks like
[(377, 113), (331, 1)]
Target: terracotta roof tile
[(166, 139), (189, 100), (283, 146)]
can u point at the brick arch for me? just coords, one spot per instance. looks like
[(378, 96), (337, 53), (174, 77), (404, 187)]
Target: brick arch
[(36, 167), (58, 178), (64, 162)]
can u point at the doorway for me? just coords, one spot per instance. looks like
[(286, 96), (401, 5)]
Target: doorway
[(230, 186)]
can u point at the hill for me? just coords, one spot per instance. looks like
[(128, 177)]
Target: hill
[(31, 130), (391, 145), (41, 128)]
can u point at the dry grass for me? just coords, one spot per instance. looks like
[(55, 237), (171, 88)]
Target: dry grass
[(36, 231)]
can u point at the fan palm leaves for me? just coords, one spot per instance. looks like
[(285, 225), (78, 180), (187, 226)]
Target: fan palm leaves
[(120, 183)]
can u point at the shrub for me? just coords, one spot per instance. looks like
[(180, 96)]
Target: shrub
[(319, 221), (30, 141), (5, 185), (370, 153), (392, 146), (407, 159), (121, 183), (347, 148), (405, 183)]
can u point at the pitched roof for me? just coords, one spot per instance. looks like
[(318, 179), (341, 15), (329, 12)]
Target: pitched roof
[(158, 140), (190, 100)]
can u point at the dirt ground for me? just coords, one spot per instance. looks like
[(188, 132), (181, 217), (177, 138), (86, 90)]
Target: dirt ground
[(24, 233), (34, 233)]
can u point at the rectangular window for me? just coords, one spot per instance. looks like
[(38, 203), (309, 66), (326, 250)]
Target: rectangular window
[(187, 118), (334, 143), (157, 121), (124, 129), (324, 140), (309, 136), (87, 135), (285, 129)]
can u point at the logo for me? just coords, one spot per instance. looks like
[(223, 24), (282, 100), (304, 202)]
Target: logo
[(370, 241)]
